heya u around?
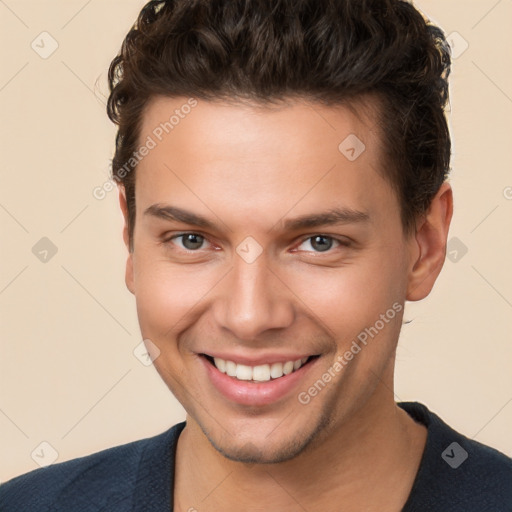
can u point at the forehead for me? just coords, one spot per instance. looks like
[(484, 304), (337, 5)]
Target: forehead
[(246, 127), (261, 161)]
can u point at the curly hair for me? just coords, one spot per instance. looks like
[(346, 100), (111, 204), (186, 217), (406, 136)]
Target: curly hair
[(266, 51)]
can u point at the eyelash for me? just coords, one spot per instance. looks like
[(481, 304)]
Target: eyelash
[(340, 242)]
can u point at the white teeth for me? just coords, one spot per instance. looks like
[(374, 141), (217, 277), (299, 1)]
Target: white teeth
[(230, 368), (220, 364), (243, 372), (276, 370), (260, 373), (288, 367)]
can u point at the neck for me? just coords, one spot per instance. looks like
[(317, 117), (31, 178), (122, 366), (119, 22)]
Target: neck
[(379, 449)]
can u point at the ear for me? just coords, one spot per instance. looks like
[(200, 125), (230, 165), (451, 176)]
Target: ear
[(126, 238), (429, 245)]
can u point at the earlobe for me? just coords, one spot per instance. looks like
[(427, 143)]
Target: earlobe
[(126, 238), (128, 277), (430, 245)]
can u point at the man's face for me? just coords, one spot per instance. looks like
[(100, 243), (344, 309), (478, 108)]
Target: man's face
[(223, 268)]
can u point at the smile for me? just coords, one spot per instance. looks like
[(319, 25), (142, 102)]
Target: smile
[(259, 373), (257, 380)]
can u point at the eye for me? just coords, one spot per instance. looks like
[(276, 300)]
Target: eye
[(189, 241), (320, 243)]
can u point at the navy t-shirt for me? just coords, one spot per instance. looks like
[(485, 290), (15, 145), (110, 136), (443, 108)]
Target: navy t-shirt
[(456, 474)]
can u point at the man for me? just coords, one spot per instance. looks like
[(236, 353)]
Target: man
[(282, 173)]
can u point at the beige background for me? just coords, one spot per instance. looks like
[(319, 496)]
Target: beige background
[(68, 376)]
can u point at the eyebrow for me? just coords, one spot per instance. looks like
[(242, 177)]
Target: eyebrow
[(330, 217), (178, 214)]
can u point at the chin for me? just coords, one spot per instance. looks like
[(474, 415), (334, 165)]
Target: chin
[(279, 445), (251, 453)]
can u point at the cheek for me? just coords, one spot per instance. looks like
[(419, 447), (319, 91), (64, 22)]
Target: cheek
[(346, 300), (168, 296)]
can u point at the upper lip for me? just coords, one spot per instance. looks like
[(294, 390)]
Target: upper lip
[(260, 359)]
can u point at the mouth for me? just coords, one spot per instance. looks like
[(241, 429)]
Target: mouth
[(268, 381), (258, 373)]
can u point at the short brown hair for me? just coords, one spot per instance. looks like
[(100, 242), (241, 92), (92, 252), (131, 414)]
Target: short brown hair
[(264, 51)]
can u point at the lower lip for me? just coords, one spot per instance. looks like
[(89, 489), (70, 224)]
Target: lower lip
[(255, 393)]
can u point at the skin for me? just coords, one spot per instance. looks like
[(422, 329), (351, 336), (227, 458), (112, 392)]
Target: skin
[(248, 169)]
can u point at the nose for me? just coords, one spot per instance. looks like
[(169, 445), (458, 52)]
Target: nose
[(253, 300)]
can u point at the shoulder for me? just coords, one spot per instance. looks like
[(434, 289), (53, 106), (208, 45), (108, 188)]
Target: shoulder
[(457, 473), (105, 480)]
